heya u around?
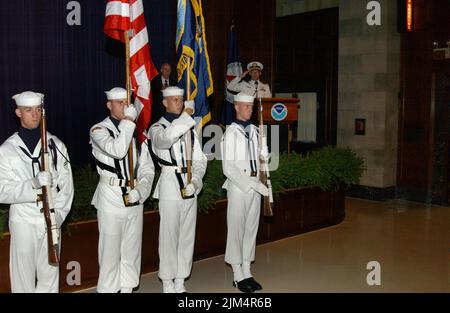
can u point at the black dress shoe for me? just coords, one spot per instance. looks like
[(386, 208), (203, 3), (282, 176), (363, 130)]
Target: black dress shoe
[(243, 286), (252, 282)]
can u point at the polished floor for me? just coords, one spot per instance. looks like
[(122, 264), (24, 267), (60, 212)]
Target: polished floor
[(410, 242)]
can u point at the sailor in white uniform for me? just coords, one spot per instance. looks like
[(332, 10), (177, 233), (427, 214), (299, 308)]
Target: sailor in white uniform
[(177, 196), (240, 163), (249, 82), (119, 207), (21, 182)]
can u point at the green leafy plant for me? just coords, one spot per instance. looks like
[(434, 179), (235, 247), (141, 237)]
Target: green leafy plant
[(212, 187), (328, 168), (85, 180)]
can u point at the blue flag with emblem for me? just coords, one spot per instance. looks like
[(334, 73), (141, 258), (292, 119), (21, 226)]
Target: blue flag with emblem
[(234, 69), (191, 46)]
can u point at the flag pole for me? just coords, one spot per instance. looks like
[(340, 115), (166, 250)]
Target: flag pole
[(128, 85), (188, 134)]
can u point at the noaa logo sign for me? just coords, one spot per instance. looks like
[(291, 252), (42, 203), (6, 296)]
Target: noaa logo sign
[(279, 112)]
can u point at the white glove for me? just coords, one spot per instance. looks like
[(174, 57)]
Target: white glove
[(181, 125), (261, 189), (130, 112), (190, 189), (189, 106), (264, 153), (197, 184), (42, 179), (134, 196)]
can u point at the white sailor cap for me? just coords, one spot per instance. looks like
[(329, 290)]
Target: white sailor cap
[(255, 65), (243, 97), (117, 93), (173, 91), (28, 99)]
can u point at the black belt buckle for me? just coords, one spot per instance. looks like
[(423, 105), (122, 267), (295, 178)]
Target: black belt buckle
[(126, 202), (183, 170), (253, 174)]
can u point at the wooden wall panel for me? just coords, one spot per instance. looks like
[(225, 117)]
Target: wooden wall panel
[(414, 143), (217, 22), (417, 119)]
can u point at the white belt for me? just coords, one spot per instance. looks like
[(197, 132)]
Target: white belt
[(171, 169), (112, 181)]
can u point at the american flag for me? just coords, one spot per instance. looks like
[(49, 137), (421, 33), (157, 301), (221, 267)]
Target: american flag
[(122, 16)]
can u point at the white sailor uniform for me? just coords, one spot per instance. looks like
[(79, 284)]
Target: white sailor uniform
[(252, 87), (178, 214), (120, 223), (29, 268), (241, 168)]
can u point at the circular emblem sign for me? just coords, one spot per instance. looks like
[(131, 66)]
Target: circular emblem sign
[(279, 111)]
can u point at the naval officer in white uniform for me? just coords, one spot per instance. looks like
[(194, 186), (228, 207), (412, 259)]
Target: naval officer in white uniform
[(249, 82)]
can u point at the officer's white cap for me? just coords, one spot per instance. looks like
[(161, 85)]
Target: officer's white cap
[(255, 65), (28, 99), (243, 97), (173, 91), (117, 93)]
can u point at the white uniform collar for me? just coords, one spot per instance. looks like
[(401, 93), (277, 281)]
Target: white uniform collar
[(109, 124), (163, 121), (17, 142), (253, 129)]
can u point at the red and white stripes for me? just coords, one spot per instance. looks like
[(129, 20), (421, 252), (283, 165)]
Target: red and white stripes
[(127, 15)]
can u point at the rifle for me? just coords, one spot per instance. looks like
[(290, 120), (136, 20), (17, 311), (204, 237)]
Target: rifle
[(264, 175), (47, 198)]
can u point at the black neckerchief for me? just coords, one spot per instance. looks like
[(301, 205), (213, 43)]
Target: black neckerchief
[(245, 125), (115, 121), (171, 116), (30, 137)]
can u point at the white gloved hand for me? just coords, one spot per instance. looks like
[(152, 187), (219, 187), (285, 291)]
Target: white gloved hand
[(134, 196), (42, 179), (264, 153), (197, 184), (261, 189), (181, 125), (189, 106), (190, 189), (130, 112)]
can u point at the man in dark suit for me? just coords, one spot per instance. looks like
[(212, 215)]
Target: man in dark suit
[(159, 83)]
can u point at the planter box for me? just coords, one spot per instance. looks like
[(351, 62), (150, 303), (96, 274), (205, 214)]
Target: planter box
[(297, 211)]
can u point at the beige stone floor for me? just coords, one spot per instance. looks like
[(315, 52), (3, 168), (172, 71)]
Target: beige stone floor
[(410, 241)]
